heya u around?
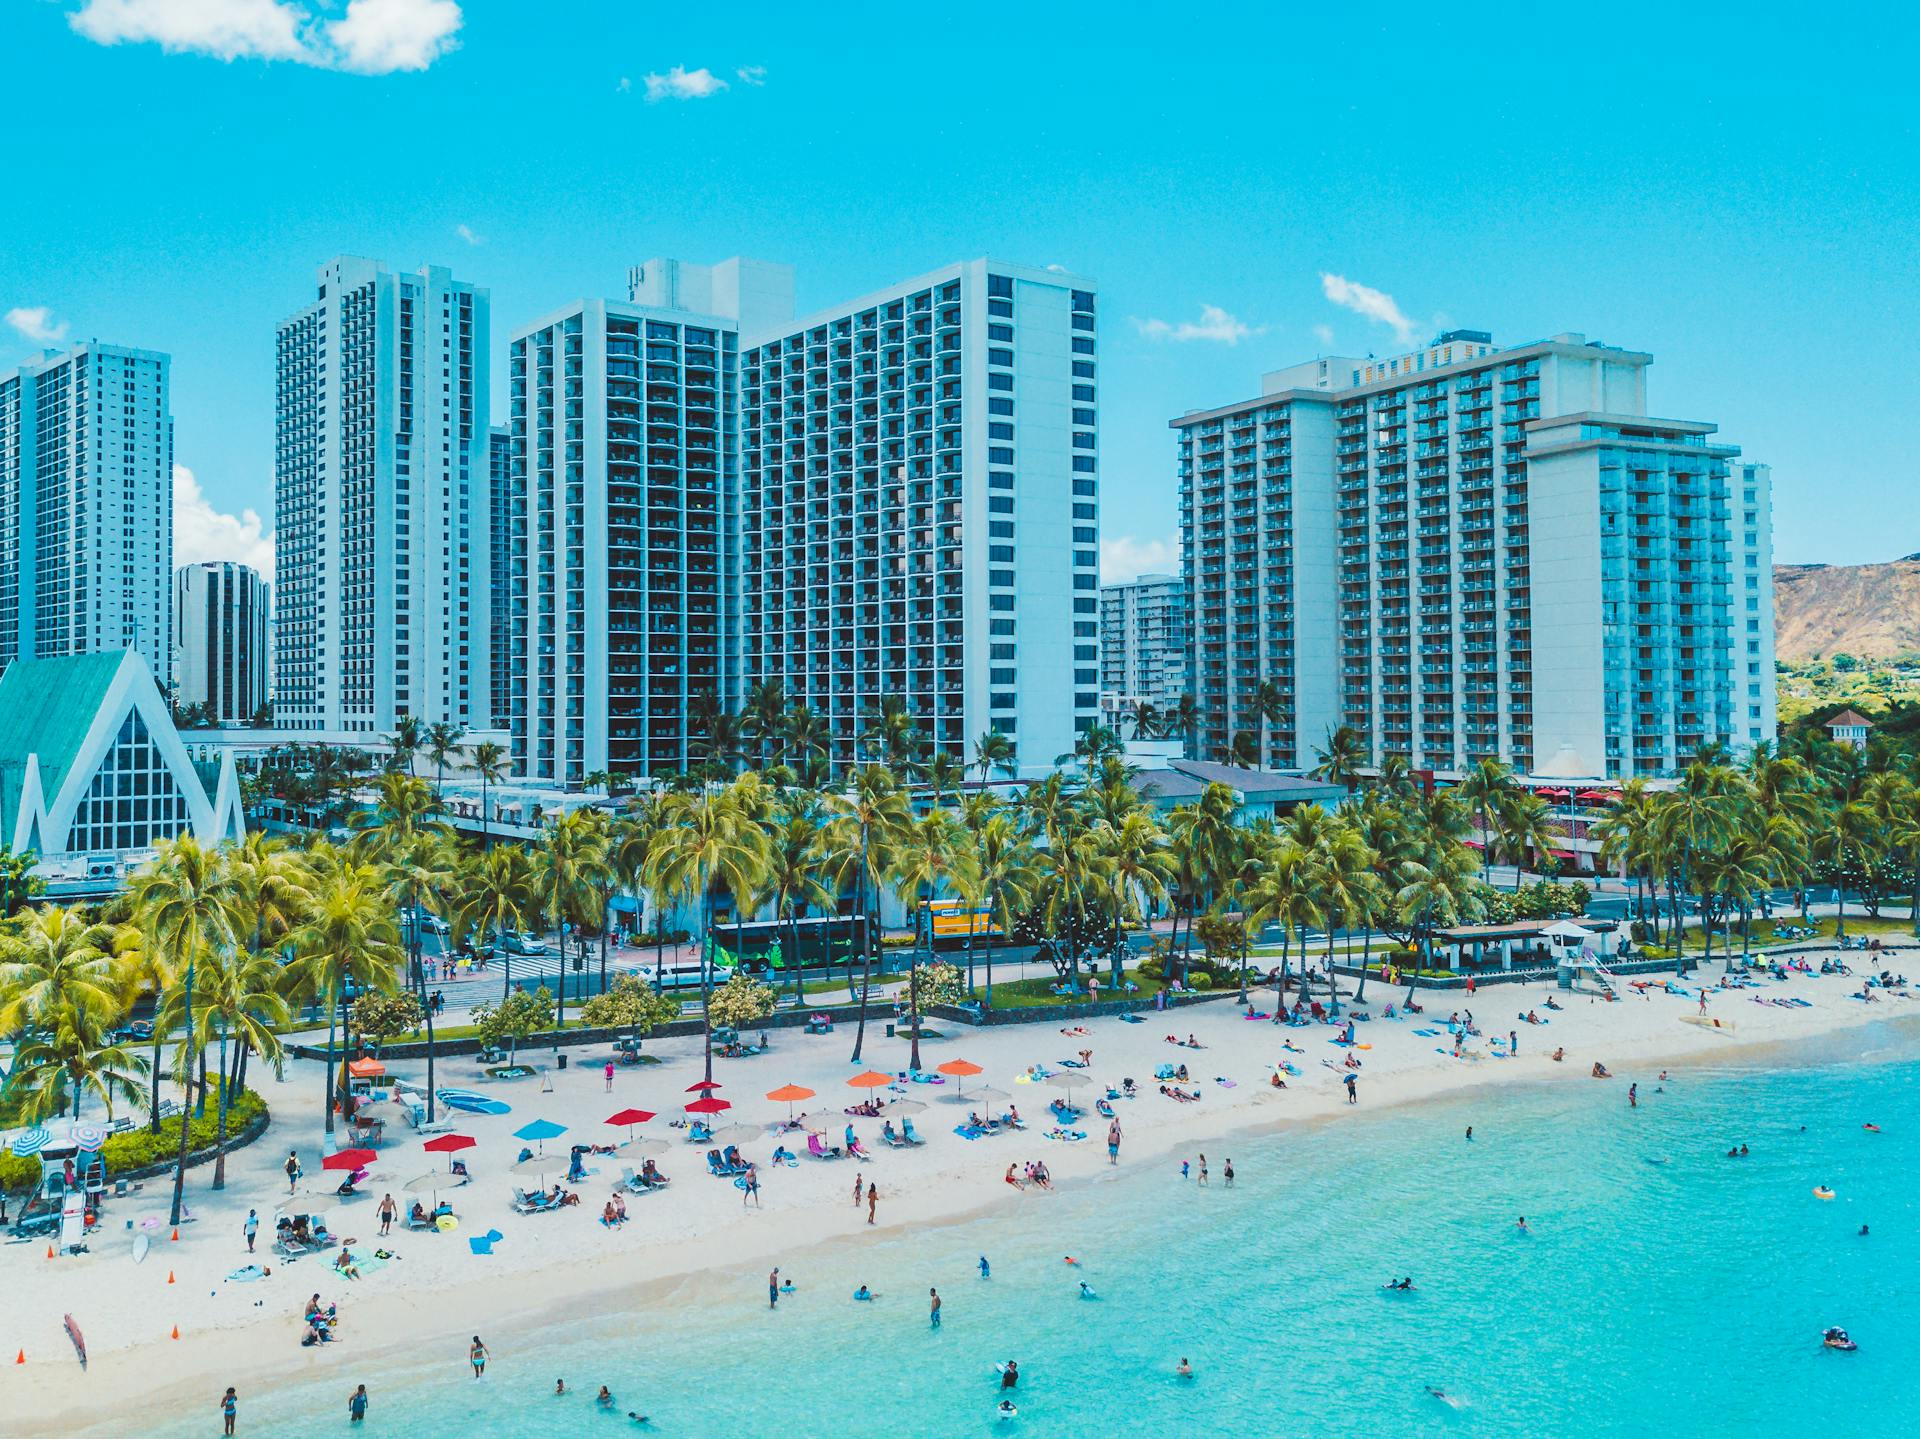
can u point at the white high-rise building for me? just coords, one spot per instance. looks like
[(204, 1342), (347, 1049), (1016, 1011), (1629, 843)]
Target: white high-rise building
[(919, 510), (1466, 552), (506, 538), (623, 452), (86, 506), (1143, 646), (220, 632), (381, 503)]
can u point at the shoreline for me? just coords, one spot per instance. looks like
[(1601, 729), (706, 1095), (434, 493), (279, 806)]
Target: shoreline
[(951, 1185)]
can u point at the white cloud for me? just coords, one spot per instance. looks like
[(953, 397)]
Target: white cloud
[(465, 232), (1214, 324), (200, 532), (680, 83), (752, 74), (1365, 300), (373, 37), (36, 322), (625, 86), (1125, 558), (1324, 334)]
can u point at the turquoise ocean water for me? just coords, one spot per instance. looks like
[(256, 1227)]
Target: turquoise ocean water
[(1664, 1288)]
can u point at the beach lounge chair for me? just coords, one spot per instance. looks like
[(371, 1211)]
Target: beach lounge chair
[(906, 1133), (733, 1160), (424, 1223), (822, 1151), (889, 1138), (699, 1133), (714, 1165), (855, 1149)]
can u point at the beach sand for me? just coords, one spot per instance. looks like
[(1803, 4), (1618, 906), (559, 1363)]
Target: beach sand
[(437, 1292)]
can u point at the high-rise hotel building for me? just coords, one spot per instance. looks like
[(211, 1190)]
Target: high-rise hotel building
[(919, 509), (381, 502), (1468, 551), (86, 506), (506, 535), (1143, 645)]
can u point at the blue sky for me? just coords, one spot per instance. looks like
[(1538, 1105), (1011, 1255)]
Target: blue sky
[(1733, 190)]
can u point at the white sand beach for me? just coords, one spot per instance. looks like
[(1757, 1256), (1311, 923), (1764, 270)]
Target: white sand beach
[(438, 1290)]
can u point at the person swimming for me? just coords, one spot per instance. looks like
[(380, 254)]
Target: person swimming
[(559, 1387), (1006, 1409), (604, 1398), (1086, 1290), (1183, 1369), (863, 1294), (1443, 1397)]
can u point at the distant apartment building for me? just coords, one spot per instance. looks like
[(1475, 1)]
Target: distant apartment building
[(1143, 646), (1468, 551), (86, 506), (382, 506), (919, 509), (220, 627)]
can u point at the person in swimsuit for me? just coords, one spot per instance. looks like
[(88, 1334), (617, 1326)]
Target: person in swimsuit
[(477, 1356), (1010, 1375), (357, 1405), (229, 1409)]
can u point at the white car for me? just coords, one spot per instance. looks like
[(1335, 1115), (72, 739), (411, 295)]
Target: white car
[(520, 942)]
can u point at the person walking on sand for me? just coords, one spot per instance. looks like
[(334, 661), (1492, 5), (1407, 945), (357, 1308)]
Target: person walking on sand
[(873, 1198), (933, 1306), (858, 1192), (1513, 1041), (251, 1227), (609, 1076), (750, 1187), (229, 1410), (1353, 1093), (477, 1356), (388, 1209), (1113, 1142), (773, 1288), (292, 1166), (357, 1405)]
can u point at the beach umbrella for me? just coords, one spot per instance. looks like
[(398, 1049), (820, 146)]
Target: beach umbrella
[(449, 1145), (540, 1131), (30, 1141), (1067, 1079), (903, 1106), (872, 1079), (538, 1165), (990, 1094), (709, 1104), (349, 1159), (423, 1184), (820, 1120), (630, 1117), (649, 1146), (734, 1133), (790, 1095), (962, 1070), (702, 1086), (87, 1138)]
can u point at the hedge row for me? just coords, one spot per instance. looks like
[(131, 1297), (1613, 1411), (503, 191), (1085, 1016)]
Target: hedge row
[(142, 1149)]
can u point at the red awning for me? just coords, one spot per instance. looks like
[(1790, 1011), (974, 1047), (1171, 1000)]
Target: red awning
[(1562, 854), (1597, 796), (1473, 843)]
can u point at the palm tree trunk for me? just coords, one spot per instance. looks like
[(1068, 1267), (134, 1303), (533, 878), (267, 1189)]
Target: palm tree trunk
[(991, 908), (430, 1092), (799, 967), (333, 1010), (866, 948), (153, 1114), (706, 974), (220, 1139), (913, 1014), (180, 1163)]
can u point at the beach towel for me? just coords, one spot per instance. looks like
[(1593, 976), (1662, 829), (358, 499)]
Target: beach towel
[(248, 1275), (483, 1243), (1429, 1033), (968, 1131), (1069, 1136)]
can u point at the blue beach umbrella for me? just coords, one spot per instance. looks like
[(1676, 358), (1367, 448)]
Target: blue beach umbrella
[(540, 1131), (30, 1141)]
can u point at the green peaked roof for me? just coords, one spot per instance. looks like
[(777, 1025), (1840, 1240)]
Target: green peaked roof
[(46, 708)]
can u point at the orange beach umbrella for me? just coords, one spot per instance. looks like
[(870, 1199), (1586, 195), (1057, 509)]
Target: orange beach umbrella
[(964, 1068), (790, 1095), (872, 1079)]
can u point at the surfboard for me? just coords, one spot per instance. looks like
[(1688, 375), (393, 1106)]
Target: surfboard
[(79, 1340), (141, 1242), (1707, 1021)]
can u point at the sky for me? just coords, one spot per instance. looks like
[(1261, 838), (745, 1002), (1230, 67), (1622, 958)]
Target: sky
[(1732, 190)]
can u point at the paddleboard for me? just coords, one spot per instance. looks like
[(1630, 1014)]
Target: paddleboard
[(79, 1340), (1707, 1021), (141, 1242)]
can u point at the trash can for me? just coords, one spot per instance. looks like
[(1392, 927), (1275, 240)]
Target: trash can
[(561, 1061), (889, 1030)]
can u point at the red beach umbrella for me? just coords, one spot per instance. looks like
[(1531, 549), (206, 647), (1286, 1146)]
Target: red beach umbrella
[(630, 1117), (349, 1159), (709, 1104), (701, 1086), (449, 1143)]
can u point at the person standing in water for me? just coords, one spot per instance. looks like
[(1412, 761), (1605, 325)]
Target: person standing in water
[(1010, 1374), (933, 1306), (229, 1409), (986, 1270), (357, 1405), (1227, 1174), (477, 1356), (1202, 1180), (773, 1288), (859, 1189), (1113, 1142), (1633, 1096)]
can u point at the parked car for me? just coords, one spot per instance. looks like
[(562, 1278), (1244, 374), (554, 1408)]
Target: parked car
[(520, 942)]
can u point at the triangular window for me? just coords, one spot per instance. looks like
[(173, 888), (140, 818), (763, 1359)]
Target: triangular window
[(133, 801)]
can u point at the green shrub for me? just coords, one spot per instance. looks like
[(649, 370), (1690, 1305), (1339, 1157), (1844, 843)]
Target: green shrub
[(1150, 967), (140, 1148), (1200, 979)]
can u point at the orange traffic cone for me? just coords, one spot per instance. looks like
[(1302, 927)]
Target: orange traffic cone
[(169, 1276), (49, 1251), (176, 1237), (21, 1357), (176, 1331)]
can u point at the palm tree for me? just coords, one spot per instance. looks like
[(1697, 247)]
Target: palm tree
[(1005, 877), (1145, 718), (180, 903), (405, 742), (993, 750), (422, 877), (932, 855), (1202, 840), (70, 1054), (872, 814), (55, 962), (489, 761), (241, 1000), (348, 942), (1523, 825), (570, 867), (1140, 865), (1340, 761), (1182, 718), (443, 742), (1284, 895), (706, 845), (806, 735), (1849, 843), (1433, 895), (1626, 837), (796, 854), (764, 720), (1739, 872), (496, 889), (1266, 704), (945, 774), (1485, 789)]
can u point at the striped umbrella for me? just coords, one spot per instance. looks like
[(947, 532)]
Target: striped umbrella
[(30, 1141), (87, 1137)]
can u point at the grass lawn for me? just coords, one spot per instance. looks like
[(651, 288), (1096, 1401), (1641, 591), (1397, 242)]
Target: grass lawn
[(1824, 927), (1032, 993)]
